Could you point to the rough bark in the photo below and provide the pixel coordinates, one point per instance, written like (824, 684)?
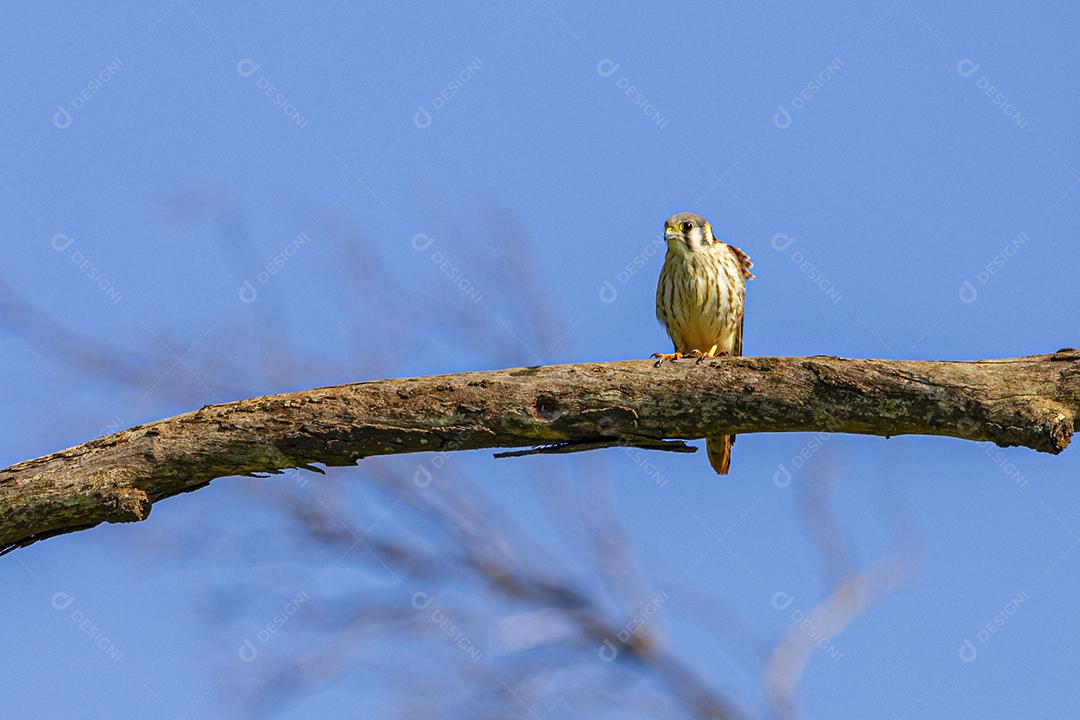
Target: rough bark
(1030, 401)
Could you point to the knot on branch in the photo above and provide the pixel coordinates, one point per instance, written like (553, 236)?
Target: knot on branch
(126, 504)
(1060, 431)
(611, 421)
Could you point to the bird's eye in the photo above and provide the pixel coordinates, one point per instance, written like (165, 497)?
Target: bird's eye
(687, 227)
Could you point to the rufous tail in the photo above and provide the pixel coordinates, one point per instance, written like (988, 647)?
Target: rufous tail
(719, 449)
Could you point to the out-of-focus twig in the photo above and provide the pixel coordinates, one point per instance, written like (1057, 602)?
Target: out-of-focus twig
(853, 591)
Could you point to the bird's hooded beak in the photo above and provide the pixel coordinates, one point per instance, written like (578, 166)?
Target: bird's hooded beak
(669, 233)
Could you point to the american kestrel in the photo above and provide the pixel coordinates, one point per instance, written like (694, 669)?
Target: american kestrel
(700, 300)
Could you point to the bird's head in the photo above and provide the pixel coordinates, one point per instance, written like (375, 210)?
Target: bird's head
(688, 233)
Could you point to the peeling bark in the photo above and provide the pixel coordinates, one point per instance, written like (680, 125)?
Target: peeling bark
(1030, 402)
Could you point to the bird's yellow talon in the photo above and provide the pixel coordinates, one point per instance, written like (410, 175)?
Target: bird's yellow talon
(662, 357)
(702, 357)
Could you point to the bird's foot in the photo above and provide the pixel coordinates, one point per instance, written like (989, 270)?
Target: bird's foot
(702, 357)
(661, 358)
(695, 354)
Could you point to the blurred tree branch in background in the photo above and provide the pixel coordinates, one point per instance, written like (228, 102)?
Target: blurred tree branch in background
(455, 608)
(1030, 402)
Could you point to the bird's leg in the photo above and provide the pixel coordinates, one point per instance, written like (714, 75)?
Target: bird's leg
(662, 357)
(709, 355)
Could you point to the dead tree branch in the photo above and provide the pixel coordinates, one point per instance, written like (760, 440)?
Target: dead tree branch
(1031, 402)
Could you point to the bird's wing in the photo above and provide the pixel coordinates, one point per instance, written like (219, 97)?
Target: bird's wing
(743, 260)
(744, 265)
(736, 349)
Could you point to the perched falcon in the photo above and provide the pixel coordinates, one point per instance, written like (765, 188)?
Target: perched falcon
(700, 300)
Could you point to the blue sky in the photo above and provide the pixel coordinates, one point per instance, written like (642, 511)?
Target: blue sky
(904, 175)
